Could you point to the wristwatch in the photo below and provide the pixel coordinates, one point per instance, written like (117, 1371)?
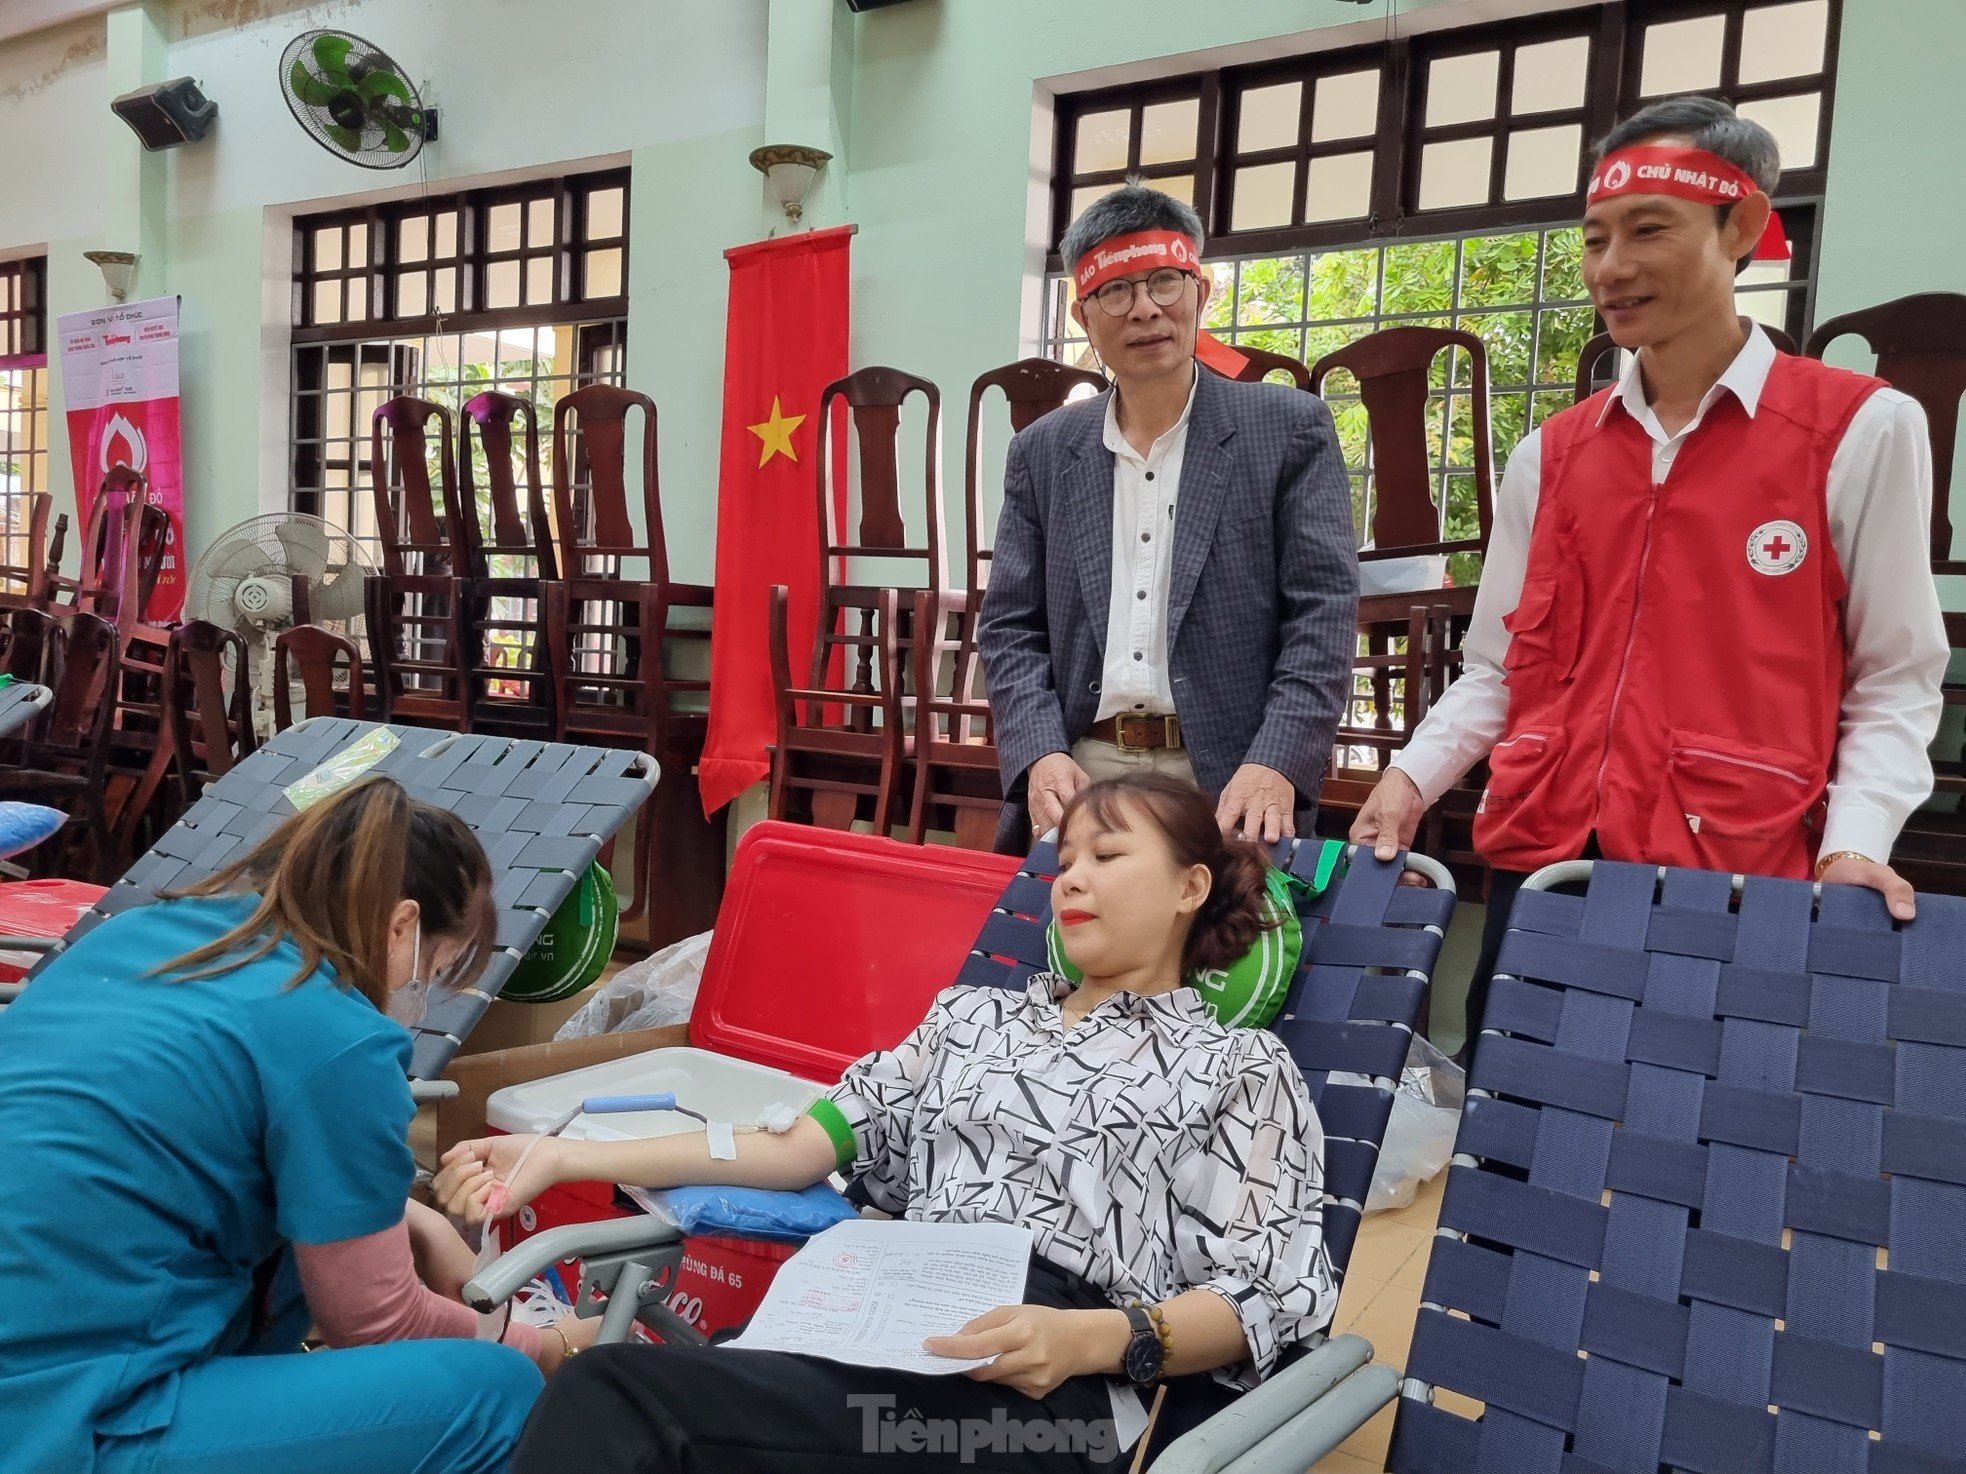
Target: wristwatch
(1144, 1353)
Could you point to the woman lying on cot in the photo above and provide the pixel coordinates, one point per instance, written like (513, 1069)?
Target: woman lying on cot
(198, 1085)
(1169, 1168)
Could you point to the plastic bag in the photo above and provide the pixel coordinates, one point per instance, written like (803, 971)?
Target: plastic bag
(1420, 1132)
(660, 989)
(749, 1212)
(23, 826)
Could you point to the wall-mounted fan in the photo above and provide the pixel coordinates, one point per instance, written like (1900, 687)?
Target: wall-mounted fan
(354, 100)
(271, 572)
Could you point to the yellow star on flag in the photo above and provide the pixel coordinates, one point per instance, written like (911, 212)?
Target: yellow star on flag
(776, 433)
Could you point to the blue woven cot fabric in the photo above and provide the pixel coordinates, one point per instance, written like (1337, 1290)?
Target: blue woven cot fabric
(1347, 1019)
(542, 810)
(1718, 1221)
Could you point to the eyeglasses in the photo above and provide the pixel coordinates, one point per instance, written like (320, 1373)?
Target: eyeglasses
(1164, 286)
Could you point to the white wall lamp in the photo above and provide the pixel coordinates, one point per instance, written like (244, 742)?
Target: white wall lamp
(791, 168)
(117, 268)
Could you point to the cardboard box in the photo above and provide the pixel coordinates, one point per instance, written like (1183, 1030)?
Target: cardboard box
(477, 1075)
(510, 1025)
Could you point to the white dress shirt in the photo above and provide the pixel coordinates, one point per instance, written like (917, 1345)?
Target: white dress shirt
(1136, 682)
(1879, 498)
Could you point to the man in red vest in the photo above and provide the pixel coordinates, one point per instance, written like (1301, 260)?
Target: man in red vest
(1707, 632)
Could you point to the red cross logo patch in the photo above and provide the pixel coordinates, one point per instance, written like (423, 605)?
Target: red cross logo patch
(1775, 548)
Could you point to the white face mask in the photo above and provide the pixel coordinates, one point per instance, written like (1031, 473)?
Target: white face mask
(409, 1003)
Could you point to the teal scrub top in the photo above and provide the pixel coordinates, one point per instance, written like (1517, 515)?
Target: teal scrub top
(161, 1140)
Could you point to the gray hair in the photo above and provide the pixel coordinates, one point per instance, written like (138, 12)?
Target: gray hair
(1131, 208)
(1713, 126)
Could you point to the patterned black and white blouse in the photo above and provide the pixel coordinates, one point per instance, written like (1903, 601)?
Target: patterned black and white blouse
(1149, 1148)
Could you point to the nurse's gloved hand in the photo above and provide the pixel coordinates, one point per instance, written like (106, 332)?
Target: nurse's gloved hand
(468, 1185)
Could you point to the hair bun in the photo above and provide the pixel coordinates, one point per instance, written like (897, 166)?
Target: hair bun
(1237, 909)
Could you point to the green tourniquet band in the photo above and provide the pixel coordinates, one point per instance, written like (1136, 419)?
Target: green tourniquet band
(845, 1148)
(1327, 862)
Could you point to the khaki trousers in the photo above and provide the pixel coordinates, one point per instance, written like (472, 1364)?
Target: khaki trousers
(1108, 760)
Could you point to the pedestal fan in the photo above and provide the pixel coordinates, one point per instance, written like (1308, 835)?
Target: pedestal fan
(271, 572)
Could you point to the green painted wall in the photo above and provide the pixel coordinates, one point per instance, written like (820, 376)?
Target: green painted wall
(945, 180)
(677, 296)
(1895, 218)
(937, 111)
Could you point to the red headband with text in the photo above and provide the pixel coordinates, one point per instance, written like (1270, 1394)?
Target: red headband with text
(1146, 250)
(1688, 173)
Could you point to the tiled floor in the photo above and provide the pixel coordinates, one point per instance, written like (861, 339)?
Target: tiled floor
(1380, 1301)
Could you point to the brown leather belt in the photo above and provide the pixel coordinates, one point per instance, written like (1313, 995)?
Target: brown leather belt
(1138, 734)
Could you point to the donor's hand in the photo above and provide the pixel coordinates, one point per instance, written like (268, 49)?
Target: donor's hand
(1037, 1347)
(467, 1186)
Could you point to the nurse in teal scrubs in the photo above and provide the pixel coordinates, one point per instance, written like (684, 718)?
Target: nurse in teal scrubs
(187, 1092)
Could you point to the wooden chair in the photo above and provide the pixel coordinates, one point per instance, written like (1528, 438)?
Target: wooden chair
(24, 585)
(196, 725)
(415, 606)
(957, 785)
(55, 585)
(1920, 343)
(1593, 375)
(612, 612)
(210, 708)
(127, 541)
(1393, 368)
(62, 757)
(508, 564)
(1397, 675)
(329, 669)
(1032, 388)
(26, 634)
(841, 751)
(955, 771)
(615, 643)
(841, 744)
(1261, 363)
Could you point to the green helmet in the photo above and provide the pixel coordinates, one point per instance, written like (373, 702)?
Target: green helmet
(1250, 992)
(574, 949)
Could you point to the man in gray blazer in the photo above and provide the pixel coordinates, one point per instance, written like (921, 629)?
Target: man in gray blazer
(1116, 635)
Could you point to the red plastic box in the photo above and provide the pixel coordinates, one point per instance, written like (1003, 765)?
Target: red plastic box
(828, 945)
(39, 908)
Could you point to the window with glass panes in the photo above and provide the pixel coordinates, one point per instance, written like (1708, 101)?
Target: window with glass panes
(1521, 293)
(1438, 180)
(552, 250)
(521, 289)
(1469, 130)
(23, 401)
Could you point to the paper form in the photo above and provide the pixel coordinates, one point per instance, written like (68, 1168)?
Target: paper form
(869, 1292)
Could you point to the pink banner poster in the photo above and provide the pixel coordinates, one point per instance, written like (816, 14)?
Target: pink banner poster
(119, 378)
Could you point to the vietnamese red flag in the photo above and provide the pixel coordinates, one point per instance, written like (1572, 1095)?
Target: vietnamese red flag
(785, 340)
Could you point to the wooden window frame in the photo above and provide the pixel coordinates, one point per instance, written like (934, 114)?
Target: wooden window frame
(24, 328)
(1615, 29)
(380, 276)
